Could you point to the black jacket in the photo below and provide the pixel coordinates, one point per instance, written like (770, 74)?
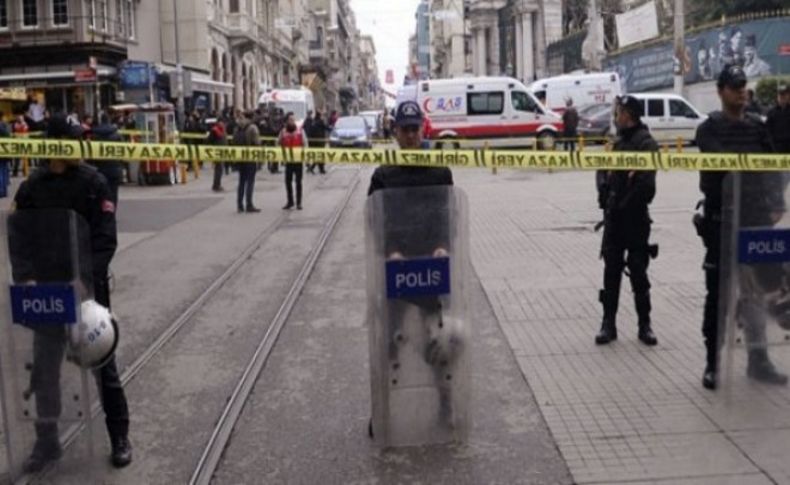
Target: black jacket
(762, 192)
(84, 190)
(416, 222)
(111, 169)
(626, 195)
(778, 124)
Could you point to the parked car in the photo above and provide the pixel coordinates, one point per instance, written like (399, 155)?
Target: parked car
(670, 117)
(373, 119)
(595, 121)
(351, 132)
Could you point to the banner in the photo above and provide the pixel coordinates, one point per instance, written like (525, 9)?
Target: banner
(637, 25)
(463, 158)
(755, 45)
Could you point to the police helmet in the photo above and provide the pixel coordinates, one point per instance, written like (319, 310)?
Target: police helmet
(93, 341)
(632, 105)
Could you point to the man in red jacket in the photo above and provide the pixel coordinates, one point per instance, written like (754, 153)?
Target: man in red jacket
(293, 137)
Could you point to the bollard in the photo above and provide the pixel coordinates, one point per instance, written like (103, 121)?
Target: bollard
(679, 142)
(665, 147)
(25, 167)
(183, 169)
(196, 168)
(493, 165)
(581, 142)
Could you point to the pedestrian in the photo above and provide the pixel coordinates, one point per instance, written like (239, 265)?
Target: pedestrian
(292, 137)
(218, 137)
(317, 136)
(70, 184)
(778, 120)
(624, 198)
(570, 119)
(269, 135)
(20, 129)
(111, 169)
(5, 175)
(752, 105)
(732, 130)
(333, 117)
(246, 135)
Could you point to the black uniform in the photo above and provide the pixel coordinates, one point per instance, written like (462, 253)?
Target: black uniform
(778, 123)
(624, 198)
(111, 169)
(761, 194)
(85, 191)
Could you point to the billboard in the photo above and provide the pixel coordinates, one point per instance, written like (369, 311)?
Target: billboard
(637, 25)
(756, 46)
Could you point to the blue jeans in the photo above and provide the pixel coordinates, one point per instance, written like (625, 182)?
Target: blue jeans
(4, 178)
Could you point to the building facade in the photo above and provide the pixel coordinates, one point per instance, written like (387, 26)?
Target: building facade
(509, 37)
(450, 39)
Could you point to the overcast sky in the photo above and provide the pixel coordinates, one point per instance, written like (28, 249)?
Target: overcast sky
(390, 23)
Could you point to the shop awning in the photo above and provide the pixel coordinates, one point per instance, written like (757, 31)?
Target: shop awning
(206, 85)
(51, 78)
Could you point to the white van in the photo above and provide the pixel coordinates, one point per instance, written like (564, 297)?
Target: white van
(299, 101)
(488, 111)
(583, 89)
(670, 117)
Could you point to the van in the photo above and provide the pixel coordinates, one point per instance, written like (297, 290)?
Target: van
(670, 117)
(497, 112)
(583, 89)
(299, 101)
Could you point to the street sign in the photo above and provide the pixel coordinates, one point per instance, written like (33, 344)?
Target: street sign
(418, 277)
(85, 75)
(43, 304)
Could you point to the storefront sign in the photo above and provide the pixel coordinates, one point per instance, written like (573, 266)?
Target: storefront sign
(85, 75)
(13, 94)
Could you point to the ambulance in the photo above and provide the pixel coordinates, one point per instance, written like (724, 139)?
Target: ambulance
(299, 101)
(494, 112)
(583, 89)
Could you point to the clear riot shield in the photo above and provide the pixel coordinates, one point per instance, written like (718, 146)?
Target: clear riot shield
(754, 309)
(45, 260)
(417, 266)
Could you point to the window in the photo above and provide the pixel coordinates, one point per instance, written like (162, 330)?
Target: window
(234, 6)
(101, 14)
(120, 23)
(523, 102)
(485, 103)
(29, 13)
(131, 26)
(655, 107)
(90, 13)
(3, 14)
(60, 12)
(681, 109)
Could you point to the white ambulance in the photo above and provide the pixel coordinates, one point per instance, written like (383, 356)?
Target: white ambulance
(487, 111)
(299, 101)
(583, 89)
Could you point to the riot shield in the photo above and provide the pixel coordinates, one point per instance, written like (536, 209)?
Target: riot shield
(45, 260)
(754, 311)
(418, 325)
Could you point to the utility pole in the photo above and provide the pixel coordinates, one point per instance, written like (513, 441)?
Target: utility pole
(179, 71)
(680, 45)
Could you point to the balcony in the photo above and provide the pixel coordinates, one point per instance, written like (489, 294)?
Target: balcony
(242, 25)
(217, 16)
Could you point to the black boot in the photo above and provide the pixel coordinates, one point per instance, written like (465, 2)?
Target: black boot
(710, 378)
(608, 332)
(643, 307)
(46, 449)
(121, 451)
(761, 368)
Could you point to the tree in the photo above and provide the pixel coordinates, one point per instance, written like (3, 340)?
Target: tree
(702, 11)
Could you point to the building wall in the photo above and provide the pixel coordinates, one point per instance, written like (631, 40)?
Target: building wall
(192, 33)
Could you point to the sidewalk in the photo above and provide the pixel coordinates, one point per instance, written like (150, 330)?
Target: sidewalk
(622, 413)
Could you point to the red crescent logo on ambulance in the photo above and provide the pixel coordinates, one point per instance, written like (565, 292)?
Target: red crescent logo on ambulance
(274, 95)
(425, 105)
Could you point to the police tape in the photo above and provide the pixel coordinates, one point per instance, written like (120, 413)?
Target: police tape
(11, 148)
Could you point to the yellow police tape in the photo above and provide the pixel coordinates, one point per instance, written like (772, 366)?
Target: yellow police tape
(514, 159)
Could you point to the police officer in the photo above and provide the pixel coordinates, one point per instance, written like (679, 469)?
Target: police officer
(779, 120)
(624, 197)
(732, 130)
(70, 184)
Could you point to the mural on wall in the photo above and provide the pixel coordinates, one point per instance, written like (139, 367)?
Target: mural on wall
(761, 47)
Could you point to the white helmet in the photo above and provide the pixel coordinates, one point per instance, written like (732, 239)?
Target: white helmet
(95, 338)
